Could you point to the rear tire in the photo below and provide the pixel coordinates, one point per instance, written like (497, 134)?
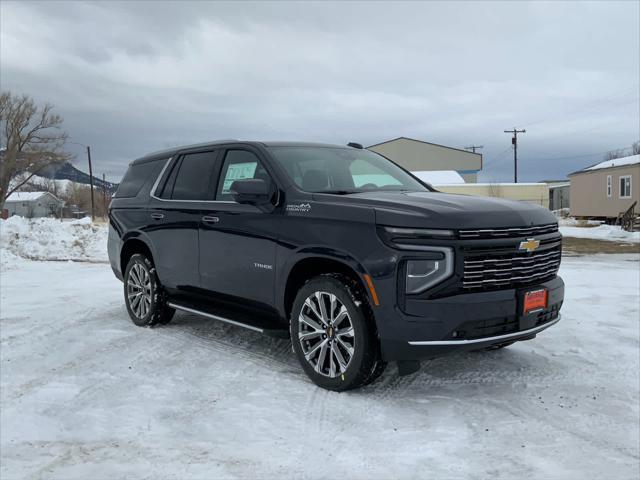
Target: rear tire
(143, 294)
(333, 334)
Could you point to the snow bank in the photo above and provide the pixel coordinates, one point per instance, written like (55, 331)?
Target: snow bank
(52, 239)
(602, 232)
(9, 260)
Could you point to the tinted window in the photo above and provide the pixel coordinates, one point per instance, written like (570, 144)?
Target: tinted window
(239, 165)
(136, 177)
(193, 181)
(165, 189)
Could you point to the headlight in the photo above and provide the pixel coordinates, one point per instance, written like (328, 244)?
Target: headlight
(425, 273)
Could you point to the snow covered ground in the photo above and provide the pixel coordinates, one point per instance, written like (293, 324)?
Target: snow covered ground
(570, 227)
(612, 233)
(86, 394)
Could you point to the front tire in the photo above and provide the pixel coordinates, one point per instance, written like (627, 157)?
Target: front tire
(143, 293)
(333, 334)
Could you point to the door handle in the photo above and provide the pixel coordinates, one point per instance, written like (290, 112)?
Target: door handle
(157, 216)
(209, 219)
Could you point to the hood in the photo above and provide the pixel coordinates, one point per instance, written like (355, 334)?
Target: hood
(453, 211)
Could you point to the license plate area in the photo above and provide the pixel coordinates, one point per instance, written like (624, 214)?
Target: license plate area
(535, 300)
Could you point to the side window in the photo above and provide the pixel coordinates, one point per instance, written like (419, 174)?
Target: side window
(239, 165)
(625, 186)
(608, 185)
(165, 190)
(194, 177)
(135, 178)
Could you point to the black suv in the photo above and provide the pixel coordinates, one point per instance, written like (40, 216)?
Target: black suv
(338, 248)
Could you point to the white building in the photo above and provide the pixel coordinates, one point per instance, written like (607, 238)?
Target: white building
(33, 204)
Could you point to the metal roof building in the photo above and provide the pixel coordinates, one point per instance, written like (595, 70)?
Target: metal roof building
(416, 156)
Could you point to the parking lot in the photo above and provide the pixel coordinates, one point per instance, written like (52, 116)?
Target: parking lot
(85, 392)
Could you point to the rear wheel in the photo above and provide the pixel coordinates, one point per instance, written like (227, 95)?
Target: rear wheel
(333, 334)
(143, 295)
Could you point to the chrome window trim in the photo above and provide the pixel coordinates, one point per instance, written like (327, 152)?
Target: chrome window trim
(507, 336)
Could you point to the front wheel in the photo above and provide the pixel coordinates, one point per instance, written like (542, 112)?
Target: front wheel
(333, 334)
(143, 294)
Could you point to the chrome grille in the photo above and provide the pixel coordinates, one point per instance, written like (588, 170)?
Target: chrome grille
(496, 270)
(508, 232)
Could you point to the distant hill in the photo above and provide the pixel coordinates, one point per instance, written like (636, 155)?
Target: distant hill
(67, 171)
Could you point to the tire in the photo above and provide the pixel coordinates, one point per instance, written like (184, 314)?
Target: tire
(143, 294)
(338, 351)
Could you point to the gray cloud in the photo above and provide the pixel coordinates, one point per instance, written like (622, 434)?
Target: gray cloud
(131, 77)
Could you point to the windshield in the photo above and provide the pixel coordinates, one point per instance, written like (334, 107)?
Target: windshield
(342, 170)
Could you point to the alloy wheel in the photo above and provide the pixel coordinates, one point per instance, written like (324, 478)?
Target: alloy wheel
(139, 290)
(326, 334)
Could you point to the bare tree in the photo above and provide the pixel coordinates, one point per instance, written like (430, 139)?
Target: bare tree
(621, 152)
(31, 139)
(613, 154)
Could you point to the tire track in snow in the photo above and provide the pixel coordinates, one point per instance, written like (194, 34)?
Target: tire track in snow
(254, 347)
(82, 360)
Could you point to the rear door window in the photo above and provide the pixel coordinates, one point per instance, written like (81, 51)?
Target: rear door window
(194, 178)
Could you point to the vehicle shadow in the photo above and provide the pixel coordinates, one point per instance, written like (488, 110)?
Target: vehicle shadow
(516, 364)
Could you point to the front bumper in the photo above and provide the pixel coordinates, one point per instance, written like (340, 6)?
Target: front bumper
(470, 321)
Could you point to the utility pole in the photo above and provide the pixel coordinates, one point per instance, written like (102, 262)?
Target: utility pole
(473, 147)
(514, 142)
(93, 210)
(104, 193)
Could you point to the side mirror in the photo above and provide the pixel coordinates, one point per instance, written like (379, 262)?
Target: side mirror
(252, 191)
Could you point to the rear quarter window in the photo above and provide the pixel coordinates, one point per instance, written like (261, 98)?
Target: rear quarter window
(136, 177)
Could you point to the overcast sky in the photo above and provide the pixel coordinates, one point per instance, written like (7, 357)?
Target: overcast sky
(130, 78)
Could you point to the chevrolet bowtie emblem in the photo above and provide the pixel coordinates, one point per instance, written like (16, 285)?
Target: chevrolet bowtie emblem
(530, 245)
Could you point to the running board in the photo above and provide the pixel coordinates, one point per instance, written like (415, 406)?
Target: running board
(248, 323)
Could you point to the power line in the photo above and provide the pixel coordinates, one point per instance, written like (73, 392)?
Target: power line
(473, 147)
(497, 158)
(584, 130)
(589, 105)
(582, 155)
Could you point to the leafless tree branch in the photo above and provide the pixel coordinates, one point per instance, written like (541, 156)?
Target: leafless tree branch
(31, 138)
